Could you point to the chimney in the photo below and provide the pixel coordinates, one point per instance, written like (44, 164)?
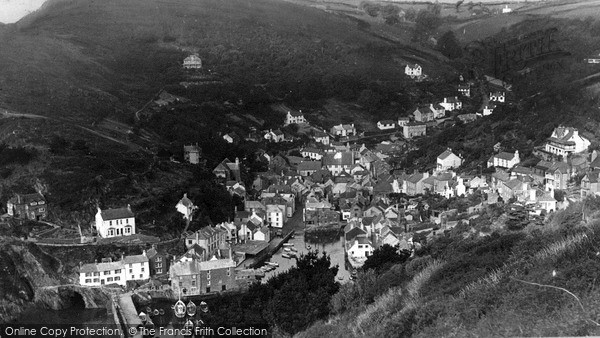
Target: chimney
(185, 195)
(129, 207)
(144, 253)
(237, 161)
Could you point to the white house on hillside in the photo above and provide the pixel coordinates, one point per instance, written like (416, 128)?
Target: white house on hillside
(343, 130)
(451, 103)
(448, 160)
(403, 120)
(192, 62)
(497, 97)
(294, 117)
(129, 268)
(186, 207)
(413, 70)
(386, 124)
(275, 216)
(504, 160)
(115, 222)
(565, 141)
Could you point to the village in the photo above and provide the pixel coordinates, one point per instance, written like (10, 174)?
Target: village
(337, 185)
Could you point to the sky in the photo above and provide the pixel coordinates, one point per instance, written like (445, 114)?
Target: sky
(13, 10)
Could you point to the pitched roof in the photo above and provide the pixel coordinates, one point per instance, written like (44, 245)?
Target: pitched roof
(345, 158)
(135, 259)
(27, 198)
(353, 233)
(110, 214)
(99, 267)
(185, 201)
(445, 154)
(505, 156)
(295, 113)
(309, 165)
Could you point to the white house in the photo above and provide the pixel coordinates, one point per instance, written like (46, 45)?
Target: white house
(186, 207)
(338, 162)
(565, 141)
(448, 160)
(506, 9)
(275, 136)
(497, 96)
(192, 62)
(343, 130)
(321, 137)
(504, 160)
(361, 248)
(96, 274)
(129, 268)
(115, 222)
(413, 70)
(403, 120)
(136, 267)
(294, 117)
(451, 103)
(275, 216)
(386, 124)
(192, 153)
(488, 109)
(547, 202)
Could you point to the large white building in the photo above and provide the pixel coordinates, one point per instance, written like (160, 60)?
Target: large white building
(129, 268)
(413, 70)
(115, 222)
(565, 141)
(192, 62)
(186, 207)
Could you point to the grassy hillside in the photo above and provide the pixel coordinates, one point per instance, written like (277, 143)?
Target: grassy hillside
(95, 58)
(536, 282)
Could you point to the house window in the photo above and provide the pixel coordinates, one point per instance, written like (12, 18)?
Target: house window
(109, 279)
(159, 265)
(189, 241)
(96, 280)
(130, 270)
(228, 272)
(223, 287)
(109, 222)
(159, 259)
(117, 271)
(158, 270)
(88, 280)
(42, 209)
(117, 278)
(128, 230)
(207, 289)
(193, 283)
(106, 273)
(142, 269)
(130, 265)
(132, 277)
(96, 273)
(208, 275)
(88, 274)
(127, 221)
(141, 276)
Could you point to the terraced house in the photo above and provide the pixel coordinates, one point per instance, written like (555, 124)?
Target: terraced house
(30, 206)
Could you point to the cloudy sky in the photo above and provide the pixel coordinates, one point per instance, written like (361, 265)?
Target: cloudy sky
(12, 10)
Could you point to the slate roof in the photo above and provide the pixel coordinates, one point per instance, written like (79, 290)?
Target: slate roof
(99, 267)
(295, 113)
(27, 198)
(119, 213)
(135, 259)
(445, 154)
(505, 156)
(340, 158)
(309, 165)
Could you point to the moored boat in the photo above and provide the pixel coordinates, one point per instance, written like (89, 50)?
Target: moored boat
(284, 255)
(288, 244)
(272, 264)
(287, 249)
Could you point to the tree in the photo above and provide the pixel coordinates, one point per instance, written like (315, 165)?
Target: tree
(411, 14)
(458, 3)
(369, 99)
(384, 257)
(391, 14)
(427, 21)
(449, 46)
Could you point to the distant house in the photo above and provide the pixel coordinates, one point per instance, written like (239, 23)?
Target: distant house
(312, 153)
(464, 89)
(228, 170)
(497, 83)
(506, 9)
(192, 62)
(594, 59)
(209, 238)
(504, 160)
(186, 207)
(386, 124)
(275, 215)
(424, 113)
(497, 96)
(547, 202)
(343, 130)
(195, 278)
(231, 138)
(413, 70)
(403, 120)
(294, 117)
(448, 160)
(413, 129)
(115, 222)
(30, 206)
(467, 118)
(192, 153)
(590, 184)
(307, 168)
(565, 141)
(338, 162)
(275, 136)
(451, 103)
(488, 109)
(230, 231)
(321, 137)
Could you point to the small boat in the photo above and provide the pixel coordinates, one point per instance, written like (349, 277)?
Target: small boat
(294, 249)
(161, 312)
(191, 309)
(340, 277)
(156, 312)
(284, 255)
(148, 310)
(288, 244)
(308, 247)
(203, 307)
(272, 264)
(180, 309)
(287, 249)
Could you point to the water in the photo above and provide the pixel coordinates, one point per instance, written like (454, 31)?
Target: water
(332, 245)
(71, 316)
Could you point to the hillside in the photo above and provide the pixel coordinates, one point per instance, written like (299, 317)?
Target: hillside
(92, 59)
(536, 282)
